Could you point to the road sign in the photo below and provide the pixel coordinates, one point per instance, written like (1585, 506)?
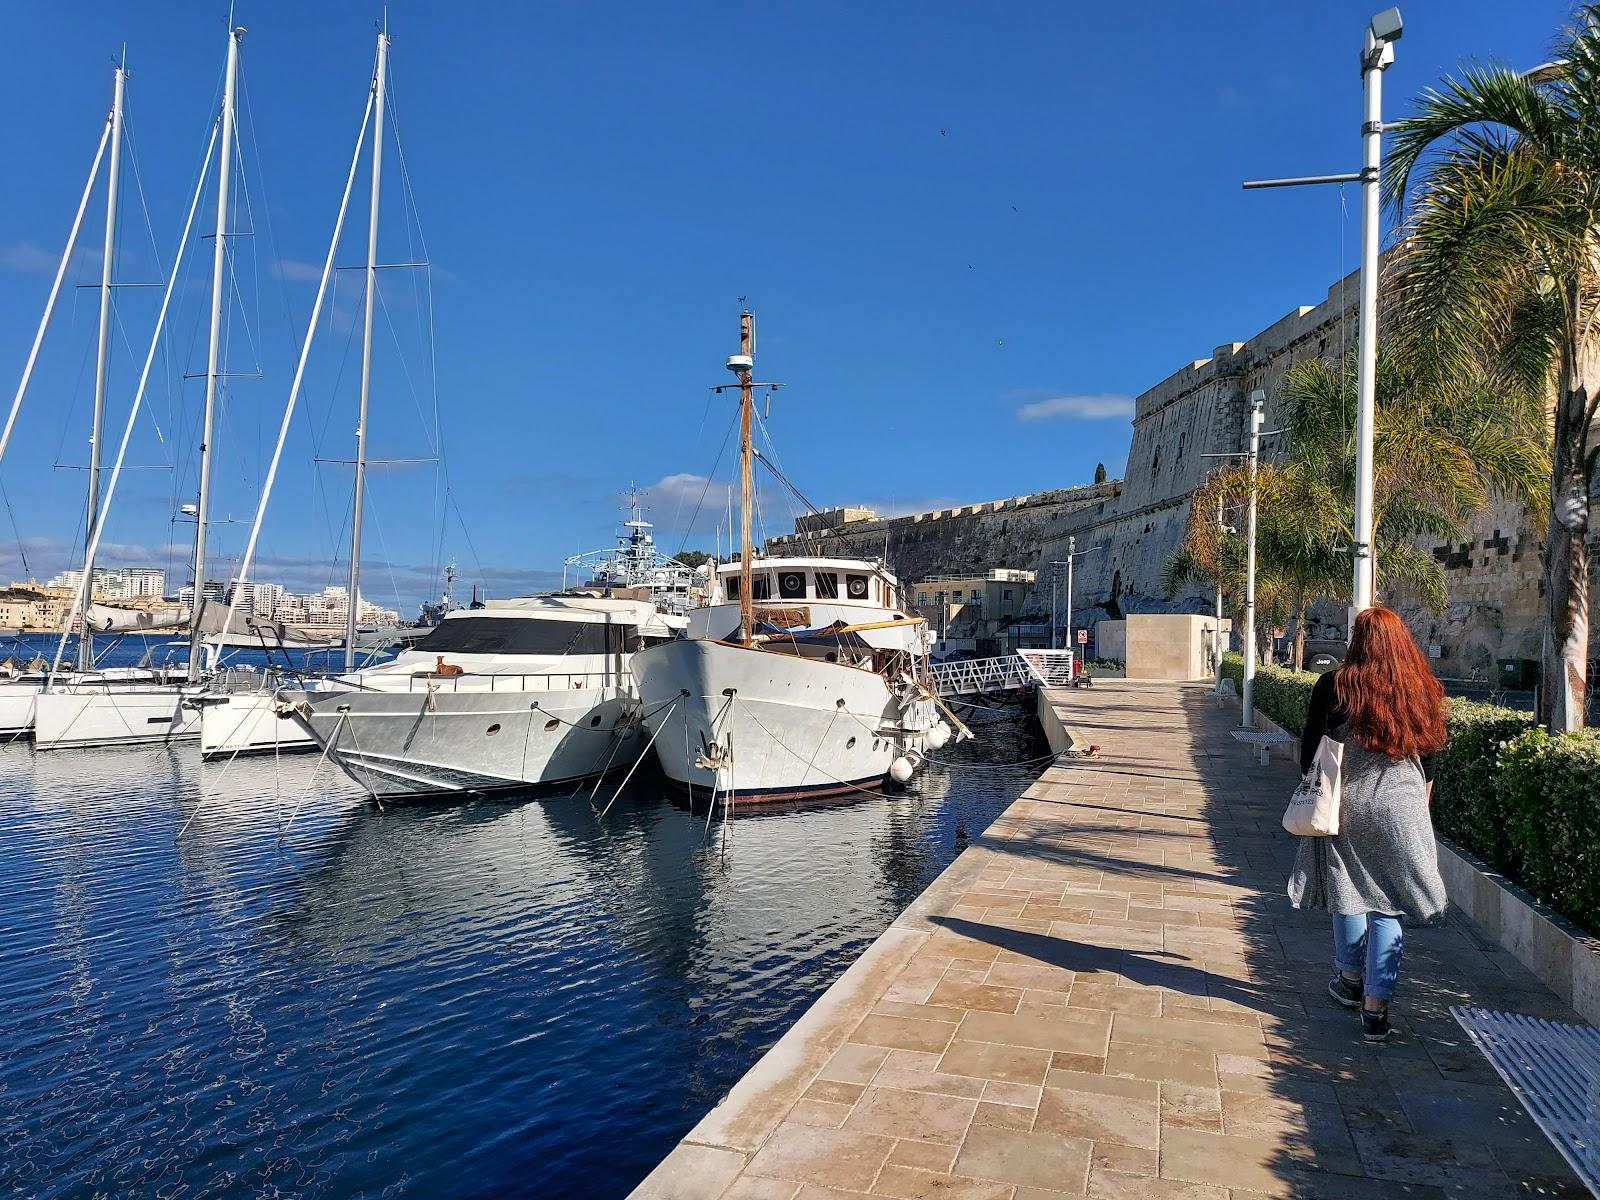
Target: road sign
(1083, 637)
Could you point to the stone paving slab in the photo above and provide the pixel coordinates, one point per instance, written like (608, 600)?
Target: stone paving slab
(1109, 996)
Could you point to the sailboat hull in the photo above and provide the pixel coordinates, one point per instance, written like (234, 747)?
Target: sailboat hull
(110, 716)
(249, 723)
(18, 701)
(768, 727)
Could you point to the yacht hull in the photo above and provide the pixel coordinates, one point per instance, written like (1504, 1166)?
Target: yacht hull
(110, 716)
(768, 727)
(411, 743)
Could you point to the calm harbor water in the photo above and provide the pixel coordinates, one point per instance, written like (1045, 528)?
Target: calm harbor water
(307, 995)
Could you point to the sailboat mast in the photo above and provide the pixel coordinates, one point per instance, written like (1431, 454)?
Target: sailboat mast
(101, 368)
(214, 349)
(379, 77)
(747, 349)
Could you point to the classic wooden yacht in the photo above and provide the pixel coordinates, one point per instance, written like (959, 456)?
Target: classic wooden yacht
(520, 692)
(807, 680)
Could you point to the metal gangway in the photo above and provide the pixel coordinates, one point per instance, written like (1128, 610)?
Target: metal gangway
(1025, 669)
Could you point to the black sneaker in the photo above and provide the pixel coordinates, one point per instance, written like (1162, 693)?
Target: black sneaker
(1344, 991)
(1375, 1025)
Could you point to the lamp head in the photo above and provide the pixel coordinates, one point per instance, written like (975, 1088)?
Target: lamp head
(1386, 26)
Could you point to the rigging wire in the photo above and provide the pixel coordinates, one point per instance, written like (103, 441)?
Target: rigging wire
(703, 491)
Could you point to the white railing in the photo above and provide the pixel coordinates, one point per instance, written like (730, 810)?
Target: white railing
(1050, 668)
(967, 677)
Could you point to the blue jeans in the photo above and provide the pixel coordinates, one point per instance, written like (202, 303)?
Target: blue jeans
(1369, 945)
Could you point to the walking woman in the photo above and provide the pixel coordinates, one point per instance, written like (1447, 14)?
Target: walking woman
(1387, 708)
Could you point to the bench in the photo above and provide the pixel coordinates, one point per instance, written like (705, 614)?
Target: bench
(1263, 740)
(1554, 1069)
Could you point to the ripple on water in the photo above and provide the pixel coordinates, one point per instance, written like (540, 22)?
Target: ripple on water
(308, 995)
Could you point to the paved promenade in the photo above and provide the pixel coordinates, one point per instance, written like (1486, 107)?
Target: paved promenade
(1110, 995)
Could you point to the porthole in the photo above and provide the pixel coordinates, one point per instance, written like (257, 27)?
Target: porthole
(850, 745)
(551, 723)
(594, 721)
(493, 729)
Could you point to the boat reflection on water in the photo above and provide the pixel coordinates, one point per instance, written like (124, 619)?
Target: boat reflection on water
(441, 997)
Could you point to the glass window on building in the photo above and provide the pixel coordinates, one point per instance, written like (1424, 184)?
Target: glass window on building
(977, 593)
(1006, 595)
(922, 597)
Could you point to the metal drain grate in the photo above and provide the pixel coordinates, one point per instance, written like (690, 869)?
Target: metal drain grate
(1554, 1069)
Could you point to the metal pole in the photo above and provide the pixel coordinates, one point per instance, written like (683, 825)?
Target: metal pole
(1216, 630)
(1375, 58)
(1258, 401)
(214, 351)
(55, 289)
(1072, 553)
(1055, 621)
(379, 75)
(102, 364)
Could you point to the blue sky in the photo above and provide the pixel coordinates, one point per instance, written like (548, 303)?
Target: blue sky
(970, 233)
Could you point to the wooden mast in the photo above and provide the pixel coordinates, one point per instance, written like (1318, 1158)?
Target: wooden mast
(747, 345)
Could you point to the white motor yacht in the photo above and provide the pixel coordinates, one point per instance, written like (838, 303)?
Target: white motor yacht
(520, 692)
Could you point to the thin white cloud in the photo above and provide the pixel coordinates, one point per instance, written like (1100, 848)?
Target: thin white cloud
(1089, 408)
(297, 271)
(26, 258)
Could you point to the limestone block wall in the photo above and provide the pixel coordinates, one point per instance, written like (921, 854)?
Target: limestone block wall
(1168, 646)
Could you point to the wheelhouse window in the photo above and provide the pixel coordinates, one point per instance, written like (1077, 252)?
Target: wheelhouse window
(733, 587)
(519, 635)
(827, 585)
(792, 585)
(760, 587)
(856, 586)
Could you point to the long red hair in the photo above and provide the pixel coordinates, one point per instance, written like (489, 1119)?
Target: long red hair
(1394, 703)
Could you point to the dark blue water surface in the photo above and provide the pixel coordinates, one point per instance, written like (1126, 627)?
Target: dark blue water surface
(309, 995)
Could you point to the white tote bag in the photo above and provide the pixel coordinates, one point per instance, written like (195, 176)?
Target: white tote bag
(1314, 808)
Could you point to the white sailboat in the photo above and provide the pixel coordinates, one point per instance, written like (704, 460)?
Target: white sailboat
(238, 718)
(520, 692)
(90, 711)
(810, 684)
(20, 685)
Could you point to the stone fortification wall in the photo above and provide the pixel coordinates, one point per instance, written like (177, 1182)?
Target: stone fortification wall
(1492, 572)
(970, 539)
(1197, 411)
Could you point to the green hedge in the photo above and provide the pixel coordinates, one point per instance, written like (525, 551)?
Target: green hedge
(1283, 695)
(1525, 802)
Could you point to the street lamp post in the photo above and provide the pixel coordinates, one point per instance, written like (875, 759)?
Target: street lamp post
(1377, 54)
(1216, 628)
(1258, 401)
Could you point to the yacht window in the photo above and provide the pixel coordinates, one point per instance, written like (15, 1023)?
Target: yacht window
(761, 587)
(733, 587)
(857, 586)
(827, 585)
(792, 585)
(519, 635)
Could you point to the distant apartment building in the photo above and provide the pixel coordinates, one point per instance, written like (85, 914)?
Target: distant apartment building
(115, 583)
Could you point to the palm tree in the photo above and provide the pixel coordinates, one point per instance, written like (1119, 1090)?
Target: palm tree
(1439, 455)
(1497, 281)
